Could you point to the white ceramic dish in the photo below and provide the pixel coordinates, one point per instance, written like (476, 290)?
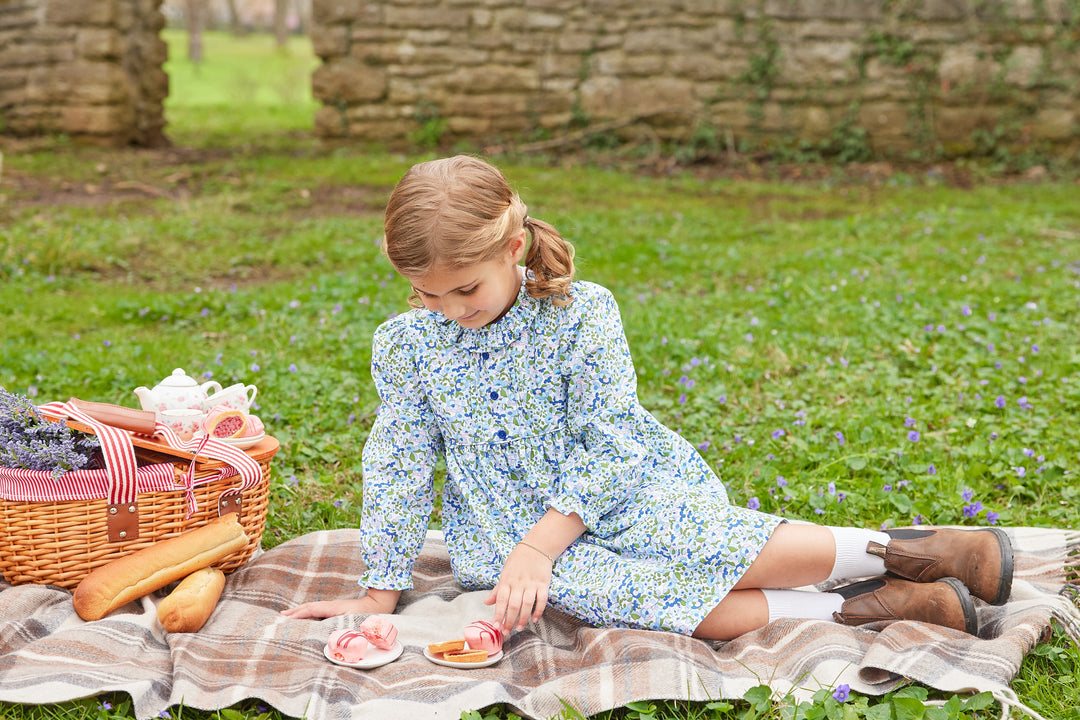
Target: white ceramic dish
(492, 659)
(242, 442)
(373, 659)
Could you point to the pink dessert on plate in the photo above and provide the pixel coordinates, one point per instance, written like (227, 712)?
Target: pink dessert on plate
(482, 635)
(379, 631)
(347, 646)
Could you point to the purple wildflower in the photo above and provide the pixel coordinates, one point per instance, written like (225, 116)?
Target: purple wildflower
(999, 402)
(840, 437)
(973, 509)
(780, 481)
(778, 433)
(703, 446)
(1029, 452)
(843, 691)
(913, 436)
(992, 517)
(931, 470)
(292, 367)
(753, 503)
(909, 422)
(967, 494)
(1020, 470)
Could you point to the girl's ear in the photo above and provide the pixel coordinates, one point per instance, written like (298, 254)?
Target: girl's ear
(516, 247)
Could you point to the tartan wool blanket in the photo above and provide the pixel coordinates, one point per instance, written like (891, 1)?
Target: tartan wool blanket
(249, 650)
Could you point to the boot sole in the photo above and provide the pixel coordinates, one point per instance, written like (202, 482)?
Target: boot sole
(1005, 584)
(971, 619)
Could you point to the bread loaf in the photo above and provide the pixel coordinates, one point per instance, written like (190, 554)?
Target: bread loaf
(142, 572)
(189, 606)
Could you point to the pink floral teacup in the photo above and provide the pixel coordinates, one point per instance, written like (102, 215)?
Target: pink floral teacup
(184, 422)
(237, 397)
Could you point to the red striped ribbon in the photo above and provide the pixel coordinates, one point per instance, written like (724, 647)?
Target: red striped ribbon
(122, 480)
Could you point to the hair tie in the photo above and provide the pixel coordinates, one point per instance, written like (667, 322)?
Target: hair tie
(526, 221)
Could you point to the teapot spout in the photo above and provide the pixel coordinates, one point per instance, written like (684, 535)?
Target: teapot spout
(146, 397)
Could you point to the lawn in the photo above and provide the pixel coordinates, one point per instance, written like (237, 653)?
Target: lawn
(853, 348)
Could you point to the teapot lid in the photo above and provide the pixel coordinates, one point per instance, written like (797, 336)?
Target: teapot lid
(179, 378)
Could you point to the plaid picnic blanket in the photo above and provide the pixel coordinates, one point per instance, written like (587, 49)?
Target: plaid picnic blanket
(249, 650)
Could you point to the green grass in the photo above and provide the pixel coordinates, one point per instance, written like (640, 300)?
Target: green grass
(767, 320)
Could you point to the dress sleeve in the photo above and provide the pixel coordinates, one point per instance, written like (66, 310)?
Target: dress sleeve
(604, 456)
(399, 464)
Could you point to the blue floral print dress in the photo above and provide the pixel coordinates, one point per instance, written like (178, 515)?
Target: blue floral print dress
(540, 410)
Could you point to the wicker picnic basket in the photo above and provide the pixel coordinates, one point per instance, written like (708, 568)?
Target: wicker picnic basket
(54, 532)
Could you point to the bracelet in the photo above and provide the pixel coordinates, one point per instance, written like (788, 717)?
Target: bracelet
(530, 545)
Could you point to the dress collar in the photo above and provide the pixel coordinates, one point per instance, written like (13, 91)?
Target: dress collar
(497, 335)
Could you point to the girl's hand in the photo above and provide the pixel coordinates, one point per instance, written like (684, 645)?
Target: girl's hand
(380, 602)
(522, 591)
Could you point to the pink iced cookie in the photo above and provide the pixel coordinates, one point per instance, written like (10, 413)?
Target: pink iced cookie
(482, 635)
(379, 631)
(347, 646)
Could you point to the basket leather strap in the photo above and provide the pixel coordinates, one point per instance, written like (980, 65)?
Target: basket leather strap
(120, 464)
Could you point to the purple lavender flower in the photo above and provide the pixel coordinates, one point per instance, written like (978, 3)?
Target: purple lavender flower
(30, 442)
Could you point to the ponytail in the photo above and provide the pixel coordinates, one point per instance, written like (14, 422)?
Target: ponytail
(550, 260)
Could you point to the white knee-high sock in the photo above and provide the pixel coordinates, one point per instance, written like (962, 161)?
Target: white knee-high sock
(852, 560)
(807, 604)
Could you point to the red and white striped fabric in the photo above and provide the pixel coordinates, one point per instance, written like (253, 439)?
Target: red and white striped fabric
(122, 480)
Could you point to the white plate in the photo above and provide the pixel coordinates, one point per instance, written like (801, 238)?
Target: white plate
(373, 659)
(492, 659)
(242, 442)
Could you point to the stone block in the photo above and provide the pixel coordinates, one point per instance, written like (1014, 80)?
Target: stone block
(943, 10)
(957, 125)
(330, 41)
(965, 65)
(884, 119)
(490, 105)
(81, 12)
(330, 122)
(439, 17)
(812, 62)
(607, 97)
(92, 83)
(348, 80)
(483, 79)
(1055, 124)
(1023, 66)
(94, 43)
(332, 12)
(111, 120)
(823, 9)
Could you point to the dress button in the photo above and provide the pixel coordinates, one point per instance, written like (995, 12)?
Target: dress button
(485, 355)
(501, 434)
(494, 395)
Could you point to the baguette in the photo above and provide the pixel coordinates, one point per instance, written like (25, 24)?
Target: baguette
(142, 572)
(189, 606)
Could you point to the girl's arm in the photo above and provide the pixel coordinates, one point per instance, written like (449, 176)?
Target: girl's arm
(382, 602)
(522, 591)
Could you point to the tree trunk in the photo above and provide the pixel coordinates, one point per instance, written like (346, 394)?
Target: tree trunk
(195, 21)
(281, 30)
(234, 18)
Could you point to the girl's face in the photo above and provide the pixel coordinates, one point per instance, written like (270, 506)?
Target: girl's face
(477, 295)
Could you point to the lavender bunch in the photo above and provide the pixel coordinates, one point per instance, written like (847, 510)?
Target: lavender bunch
(30, 442)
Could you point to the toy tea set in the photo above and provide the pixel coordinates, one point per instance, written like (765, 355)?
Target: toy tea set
(191, 409)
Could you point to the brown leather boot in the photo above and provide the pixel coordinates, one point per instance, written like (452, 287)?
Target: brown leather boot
(945, 602)
(981, 559)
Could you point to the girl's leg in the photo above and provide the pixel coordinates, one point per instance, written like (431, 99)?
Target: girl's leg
(798, 555)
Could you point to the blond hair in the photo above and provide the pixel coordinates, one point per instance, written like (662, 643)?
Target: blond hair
(460, 211)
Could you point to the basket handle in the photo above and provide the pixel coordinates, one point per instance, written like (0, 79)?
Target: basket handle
(249, 471)
(120, 465)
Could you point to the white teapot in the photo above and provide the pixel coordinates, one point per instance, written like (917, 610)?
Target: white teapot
(176, 392)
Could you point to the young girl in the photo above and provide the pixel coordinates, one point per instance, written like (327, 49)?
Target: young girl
(561, 488)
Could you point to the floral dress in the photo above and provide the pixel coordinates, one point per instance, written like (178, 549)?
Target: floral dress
(539, 410)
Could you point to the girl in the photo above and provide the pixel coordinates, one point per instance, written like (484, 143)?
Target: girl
(561, 488)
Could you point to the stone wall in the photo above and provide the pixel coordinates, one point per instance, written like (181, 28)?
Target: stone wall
(89, 68)
(944, 76)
